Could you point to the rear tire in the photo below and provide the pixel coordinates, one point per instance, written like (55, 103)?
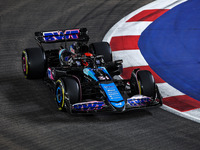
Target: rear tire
(33, 63)
(102, 48)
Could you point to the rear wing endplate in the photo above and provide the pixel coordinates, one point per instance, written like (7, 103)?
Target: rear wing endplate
(62, 36)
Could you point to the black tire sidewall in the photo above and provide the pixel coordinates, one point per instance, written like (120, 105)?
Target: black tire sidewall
(102, 48)
(134, 84)
(35, 62)
(147, 83)
(71, 89)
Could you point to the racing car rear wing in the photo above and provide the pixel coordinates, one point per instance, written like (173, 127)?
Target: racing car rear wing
(62, 36)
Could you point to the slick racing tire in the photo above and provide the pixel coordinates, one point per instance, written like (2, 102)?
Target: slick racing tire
(33, 63)
(68, 92)
(146, 83)
(142, 82)
(102, 48)
(134, 84)
(159, 96)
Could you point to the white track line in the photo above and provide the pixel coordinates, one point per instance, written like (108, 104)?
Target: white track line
(135, 28)
(130, 58)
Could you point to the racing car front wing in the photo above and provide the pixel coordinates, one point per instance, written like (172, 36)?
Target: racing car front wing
(137, 101)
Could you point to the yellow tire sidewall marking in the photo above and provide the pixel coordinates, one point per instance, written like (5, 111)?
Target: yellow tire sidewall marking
(139, 86)
(63, 94)
(26, 61)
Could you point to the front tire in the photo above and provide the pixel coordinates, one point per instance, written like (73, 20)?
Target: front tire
(134, 84)
(146, 83)
(68, 92)
(142, 82)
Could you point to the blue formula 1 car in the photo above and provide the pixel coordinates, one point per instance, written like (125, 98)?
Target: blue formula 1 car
(83, 78)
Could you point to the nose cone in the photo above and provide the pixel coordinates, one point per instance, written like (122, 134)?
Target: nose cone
(118, 104)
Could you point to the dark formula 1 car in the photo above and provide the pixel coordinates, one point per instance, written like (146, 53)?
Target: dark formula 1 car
(82, 79)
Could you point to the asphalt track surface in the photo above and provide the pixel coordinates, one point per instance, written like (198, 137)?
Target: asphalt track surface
(29, 118)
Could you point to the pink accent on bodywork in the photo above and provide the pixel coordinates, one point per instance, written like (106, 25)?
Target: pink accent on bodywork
(50, 74)
(95, 107)
(24, 63)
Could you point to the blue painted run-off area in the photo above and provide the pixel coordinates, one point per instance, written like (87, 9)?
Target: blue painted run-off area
(171, 46)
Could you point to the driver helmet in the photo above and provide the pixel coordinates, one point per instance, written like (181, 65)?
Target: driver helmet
(65, 56)
(74, 48)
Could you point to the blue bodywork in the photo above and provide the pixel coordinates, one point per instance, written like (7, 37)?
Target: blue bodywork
(90, 72)
(114, 97)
